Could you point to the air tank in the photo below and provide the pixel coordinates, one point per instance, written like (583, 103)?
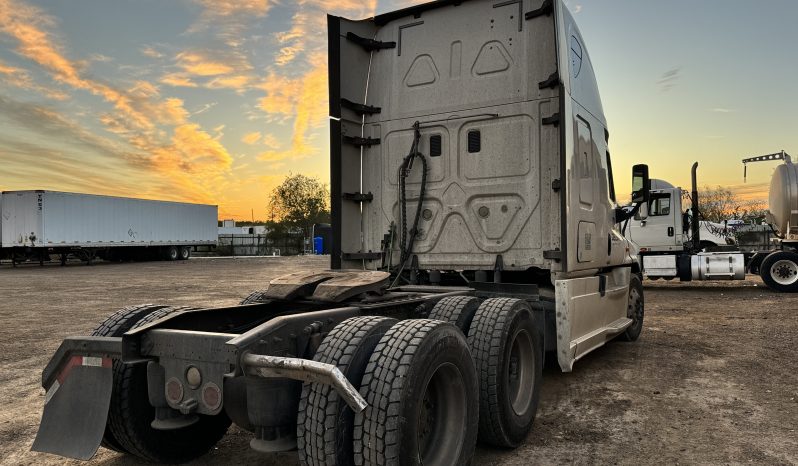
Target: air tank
(783, 199)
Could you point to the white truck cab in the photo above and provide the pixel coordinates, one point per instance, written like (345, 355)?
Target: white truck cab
(664, 225)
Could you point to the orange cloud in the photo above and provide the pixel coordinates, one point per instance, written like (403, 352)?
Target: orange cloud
(151, 52)
(196, 64)
(21, 78)
(238, 82)
(177, 80)
(189, 159)
(221, 8)
(143, 89)
(281, 94)
(269, 140)
(251, 138)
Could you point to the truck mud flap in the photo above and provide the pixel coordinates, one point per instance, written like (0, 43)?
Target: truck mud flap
(76, 410)
(79, 381)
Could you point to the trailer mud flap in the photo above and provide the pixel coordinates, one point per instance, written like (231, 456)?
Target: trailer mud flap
(76, 409)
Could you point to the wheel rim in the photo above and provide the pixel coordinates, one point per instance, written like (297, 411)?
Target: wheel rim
(635, 308)
(784, 272)
(521, 373)
(184, 253)
(173, 253)
(442, 417)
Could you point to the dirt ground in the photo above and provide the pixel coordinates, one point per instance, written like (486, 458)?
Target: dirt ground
(711, 380)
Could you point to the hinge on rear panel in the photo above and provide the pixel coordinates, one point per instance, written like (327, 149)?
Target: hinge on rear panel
(369, 44)
(545, 9)
(553, 254)
(550, 82)
(358, 197)
(360, 142)
(360, 109)
(555, 185)
(356, 256)
(552, 120)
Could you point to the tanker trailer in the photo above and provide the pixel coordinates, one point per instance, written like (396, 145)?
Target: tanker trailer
(779, 267)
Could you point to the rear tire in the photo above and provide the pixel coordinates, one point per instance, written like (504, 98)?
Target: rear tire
(171, 253)
(325, 422)
(635, 310)
(421, 389)
(131, 414)
(457, 310)
(779, 271)
(185, 253)
(508, 354)
(116, 325)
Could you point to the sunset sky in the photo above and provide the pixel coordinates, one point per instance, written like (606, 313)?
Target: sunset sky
(217, 100)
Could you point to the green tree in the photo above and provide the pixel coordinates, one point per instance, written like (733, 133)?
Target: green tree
(299, 202)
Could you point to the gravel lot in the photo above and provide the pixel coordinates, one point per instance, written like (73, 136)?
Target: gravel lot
(712, 379)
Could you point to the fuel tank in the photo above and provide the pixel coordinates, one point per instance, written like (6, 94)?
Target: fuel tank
(717, 266)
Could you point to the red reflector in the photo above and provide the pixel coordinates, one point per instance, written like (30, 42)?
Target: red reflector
(73, 361)
(211, 396)
(174, 390)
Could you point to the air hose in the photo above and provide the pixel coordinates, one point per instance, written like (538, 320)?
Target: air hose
(408, 238)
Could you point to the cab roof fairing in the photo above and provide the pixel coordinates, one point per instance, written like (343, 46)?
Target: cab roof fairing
(580, 82)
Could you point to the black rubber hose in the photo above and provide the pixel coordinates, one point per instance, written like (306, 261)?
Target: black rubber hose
(406, 244)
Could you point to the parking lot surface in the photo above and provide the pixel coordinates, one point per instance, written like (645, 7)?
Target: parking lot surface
(712, 379)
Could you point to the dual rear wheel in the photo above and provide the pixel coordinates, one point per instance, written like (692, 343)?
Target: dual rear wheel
(433, 386)
(128, 429)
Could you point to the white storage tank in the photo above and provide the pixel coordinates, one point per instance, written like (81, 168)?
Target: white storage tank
(783, 200)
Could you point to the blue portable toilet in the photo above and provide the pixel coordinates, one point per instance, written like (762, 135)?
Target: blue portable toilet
(318, 245)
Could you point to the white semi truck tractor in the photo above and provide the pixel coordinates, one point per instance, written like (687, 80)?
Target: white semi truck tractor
(474, 227)
(673, 243)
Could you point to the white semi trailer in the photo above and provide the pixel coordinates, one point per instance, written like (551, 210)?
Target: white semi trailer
(474, 229)
(673, 244)
(35, 225)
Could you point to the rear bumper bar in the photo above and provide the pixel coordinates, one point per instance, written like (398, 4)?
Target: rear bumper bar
(305, 370)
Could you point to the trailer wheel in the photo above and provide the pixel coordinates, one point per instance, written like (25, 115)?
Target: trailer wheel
(458, 310)
(422, 393)
(325, 422)
(185, 253)
(116, 325)
(171, 253)
(508, 353)
(255, 297)
(779, 271)
(635, 309)
(131, 414)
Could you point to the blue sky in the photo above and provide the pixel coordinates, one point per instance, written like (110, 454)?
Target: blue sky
(216, 101)
(710, 81)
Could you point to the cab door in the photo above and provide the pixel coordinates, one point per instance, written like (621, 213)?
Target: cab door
(657, 230)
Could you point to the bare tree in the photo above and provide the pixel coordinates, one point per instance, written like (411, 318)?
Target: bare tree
(719, 204)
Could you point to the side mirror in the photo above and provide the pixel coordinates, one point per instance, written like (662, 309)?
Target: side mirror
(641, 184)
